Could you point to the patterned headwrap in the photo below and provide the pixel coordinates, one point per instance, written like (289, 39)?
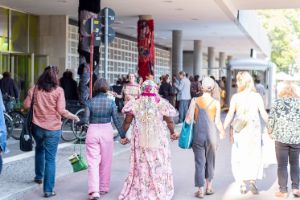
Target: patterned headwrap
(149, 88)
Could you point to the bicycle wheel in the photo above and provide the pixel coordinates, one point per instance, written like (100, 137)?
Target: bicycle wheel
(9, 124)
(18, 121)
(79, 131)
(67, 134)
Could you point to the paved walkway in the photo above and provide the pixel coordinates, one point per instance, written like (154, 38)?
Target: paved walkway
(74, 186)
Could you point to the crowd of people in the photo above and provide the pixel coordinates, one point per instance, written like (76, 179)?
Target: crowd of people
(149, 109)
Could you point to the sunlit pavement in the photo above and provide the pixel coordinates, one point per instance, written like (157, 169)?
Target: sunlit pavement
(74, 186)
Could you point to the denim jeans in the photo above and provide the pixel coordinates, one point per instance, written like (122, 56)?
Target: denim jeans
(287, 153)
(45, 154)
(183, 108)
(1, 162)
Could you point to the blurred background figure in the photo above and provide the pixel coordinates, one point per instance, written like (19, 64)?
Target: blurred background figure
(9, 91)
(117, 89)
(260, 88)
(69, 85)
(183, 86)
(165, 89)
(196, 90)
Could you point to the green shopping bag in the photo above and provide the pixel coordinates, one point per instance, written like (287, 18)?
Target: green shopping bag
(77, 161)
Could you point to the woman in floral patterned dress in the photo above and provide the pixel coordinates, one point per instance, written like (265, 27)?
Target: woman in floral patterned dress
(150, 176)
(131, 90)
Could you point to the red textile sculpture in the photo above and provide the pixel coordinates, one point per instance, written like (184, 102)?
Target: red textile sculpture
(145, 47)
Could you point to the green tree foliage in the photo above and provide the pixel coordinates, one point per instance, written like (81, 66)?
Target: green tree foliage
(283, 28)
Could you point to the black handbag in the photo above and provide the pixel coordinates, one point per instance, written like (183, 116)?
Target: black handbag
(26, 140)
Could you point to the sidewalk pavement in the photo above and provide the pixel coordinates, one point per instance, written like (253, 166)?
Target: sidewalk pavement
(74, 186)
(17, 176)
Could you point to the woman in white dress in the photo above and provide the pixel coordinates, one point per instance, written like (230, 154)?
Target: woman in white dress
(246, 156)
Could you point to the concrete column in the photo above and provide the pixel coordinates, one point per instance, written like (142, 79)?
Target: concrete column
(198, 57)
(177, 52)
(222, 63)
(210, 59)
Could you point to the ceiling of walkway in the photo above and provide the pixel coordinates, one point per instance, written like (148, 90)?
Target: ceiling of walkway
(266, 4)
(204, 20)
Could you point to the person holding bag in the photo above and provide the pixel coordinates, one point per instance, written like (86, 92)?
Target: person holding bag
(207, 124)
(99, 140)
(48, 108)
(246, 157)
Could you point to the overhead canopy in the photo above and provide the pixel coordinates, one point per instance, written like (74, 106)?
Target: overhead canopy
(250, 64)
(213, 22)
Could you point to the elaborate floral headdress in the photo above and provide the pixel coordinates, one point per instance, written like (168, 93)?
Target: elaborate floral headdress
(149, 88)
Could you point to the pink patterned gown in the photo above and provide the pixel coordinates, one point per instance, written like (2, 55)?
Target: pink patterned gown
(150, 176)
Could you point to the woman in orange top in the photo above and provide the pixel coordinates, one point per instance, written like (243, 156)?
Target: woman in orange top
(207, 122)
(48, 107)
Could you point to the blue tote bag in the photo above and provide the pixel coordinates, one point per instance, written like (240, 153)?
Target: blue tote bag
(186, 135)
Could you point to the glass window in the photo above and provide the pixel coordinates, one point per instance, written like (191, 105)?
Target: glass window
(3, 29)
(33, 33)
(19, 36)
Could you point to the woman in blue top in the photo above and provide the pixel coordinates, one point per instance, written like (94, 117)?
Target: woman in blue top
(2, 130)
(101, 109)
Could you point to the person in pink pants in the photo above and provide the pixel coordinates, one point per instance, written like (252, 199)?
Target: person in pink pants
(99, 141)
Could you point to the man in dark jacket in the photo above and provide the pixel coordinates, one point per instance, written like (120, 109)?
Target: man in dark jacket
(69, 85)
(8, 86)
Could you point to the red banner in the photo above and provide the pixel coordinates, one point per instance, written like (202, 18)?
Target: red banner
(146, 48)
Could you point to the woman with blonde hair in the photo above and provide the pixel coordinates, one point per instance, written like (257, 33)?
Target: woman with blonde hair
(246, 157)
(284, 128)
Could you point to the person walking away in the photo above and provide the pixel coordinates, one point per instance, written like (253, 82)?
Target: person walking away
(48, 108)
(183, 95)
(260, 88)
(284, 128)
(246, 156)
(150, 176)
(70, 86)
(207, 124)
(99, 141)
(196, 90)
(3, 133)
(9, 90)
(165, 89)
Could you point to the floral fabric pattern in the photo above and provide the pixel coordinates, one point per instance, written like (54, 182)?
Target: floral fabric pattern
(150, 176)
(284, 120)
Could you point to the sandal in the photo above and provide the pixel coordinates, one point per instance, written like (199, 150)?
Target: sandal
(253, 188)
(243, 189)
(209, 191)
(199, 194)
(296, 193)
(282, 194)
